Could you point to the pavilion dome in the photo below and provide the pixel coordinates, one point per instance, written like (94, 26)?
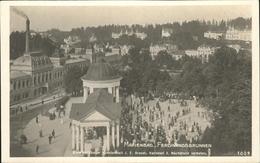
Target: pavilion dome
(100, 71)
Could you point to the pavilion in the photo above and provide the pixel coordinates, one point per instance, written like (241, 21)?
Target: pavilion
(100, 108)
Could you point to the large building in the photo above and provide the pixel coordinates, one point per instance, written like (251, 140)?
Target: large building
(35, 74)
(167, 32)
(131, 32)
(203, 52)
(169, 48)
(213, 35)
(97, 118)
(234, 34)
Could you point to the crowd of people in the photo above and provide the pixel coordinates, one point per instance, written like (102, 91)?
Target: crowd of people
(167, 119)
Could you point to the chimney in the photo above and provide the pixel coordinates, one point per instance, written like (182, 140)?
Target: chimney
(27, 37)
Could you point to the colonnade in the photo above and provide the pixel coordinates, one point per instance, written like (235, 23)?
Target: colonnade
(79, 131)
(112, 90)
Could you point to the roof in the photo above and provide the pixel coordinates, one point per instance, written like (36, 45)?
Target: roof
(18, 74)
(32, 60)
(74, 60)
(100, 71)
(100, 101)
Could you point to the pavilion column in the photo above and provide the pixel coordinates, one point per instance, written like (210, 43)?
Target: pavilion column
(117, 94)
(81, 138)
(91, 89)
(113, 135)
(117, 134)
(108, 133)
(85, 94)
(110, 90)
(73, 137)
(77, 138)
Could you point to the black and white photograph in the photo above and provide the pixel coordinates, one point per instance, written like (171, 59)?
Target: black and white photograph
(175, 80)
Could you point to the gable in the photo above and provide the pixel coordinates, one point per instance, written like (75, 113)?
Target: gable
(95, 115)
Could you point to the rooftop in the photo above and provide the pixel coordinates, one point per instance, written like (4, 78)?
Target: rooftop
(100, 101)
(100, 71)
(18, 74)
(74, 60)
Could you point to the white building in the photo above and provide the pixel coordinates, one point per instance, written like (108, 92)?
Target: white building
(125, 49)
(213, 35)
(192, 53)
(235, 46)
(178, 54)
(203, 52)
(116, 35)
(71, 40)
(155, 49)
(233, 34)
(99, 112)
(166, 32)
(141, 35)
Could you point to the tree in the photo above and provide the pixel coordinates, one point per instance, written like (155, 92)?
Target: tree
(73, 83)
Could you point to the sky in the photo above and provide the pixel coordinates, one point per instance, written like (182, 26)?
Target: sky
(67, 17)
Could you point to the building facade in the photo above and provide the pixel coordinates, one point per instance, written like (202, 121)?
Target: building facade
(36, 74)
(167, 32)
(234, 34)
(213, 35)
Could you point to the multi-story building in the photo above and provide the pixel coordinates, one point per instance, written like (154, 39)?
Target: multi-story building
(169, 48)
(234, 34)
(166, 32)
(203, 52)
(192, 53)
(155, 49)
(213, 35)
(35, 74)
(138, 34)
(125, 49)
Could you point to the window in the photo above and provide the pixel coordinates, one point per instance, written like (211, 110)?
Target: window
(27, 83)
(18, 97)
(46, 77)
(42, 77)
(19, 84)
(23, 84)
(14, 85)
(39, 79)
(50, 76)
(34, 80)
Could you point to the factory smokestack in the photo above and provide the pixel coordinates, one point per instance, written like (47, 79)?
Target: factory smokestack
(27, 37)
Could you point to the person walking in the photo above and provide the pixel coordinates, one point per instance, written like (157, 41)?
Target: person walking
(37, 119)
(53, 133)
(50, 137)
(40, 133)
(37, 149)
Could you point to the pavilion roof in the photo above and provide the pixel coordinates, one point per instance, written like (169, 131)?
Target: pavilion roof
(101, 101)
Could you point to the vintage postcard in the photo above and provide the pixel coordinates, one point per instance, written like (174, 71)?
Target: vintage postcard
(130, 81)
